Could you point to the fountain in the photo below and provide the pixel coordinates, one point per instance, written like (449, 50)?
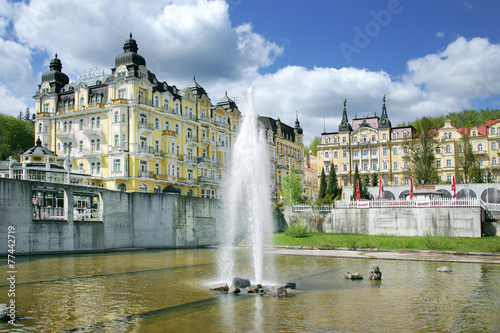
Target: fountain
(247, 199)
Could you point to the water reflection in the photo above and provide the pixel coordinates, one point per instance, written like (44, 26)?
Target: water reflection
(161, 291)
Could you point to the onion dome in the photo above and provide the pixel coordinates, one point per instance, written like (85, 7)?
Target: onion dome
(129, 55)
(297, 124)
(55, 74)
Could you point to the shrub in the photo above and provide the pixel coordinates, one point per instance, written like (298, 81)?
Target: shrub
(435, 241)
(297, 230)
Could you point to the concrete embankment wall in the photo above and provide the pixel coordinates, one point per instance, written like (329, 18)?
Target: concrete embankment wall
(456, 222)
(128, 220)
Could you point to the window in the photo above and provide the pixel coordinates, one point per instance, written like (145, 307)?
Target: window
(405, 135)
(384, 151)
(492, 131)
(80, 146)
(116, 165)
(480, 148)
(493, 161)
(448, 163)
(344, 153)
(335, 155)
(117, 116)
(395, 164)
(117, 140)
(177, 128)
(450, 135)
(384, 136)
(40, 127)
(344, 167)
(445, 136)
(327, 141)
(374, 137)
(124, 140)
(396, 181)
(122, 93)
(385, 166)
(438, 150)
(165, 105)
(80, 124)
(493, 145)
(395, 151)
(405, 150)
(157, 123)
(386, 181)
(335, 140)
(157, 168)
(365, 152)
(355, 139)
(474, 133)
(326, 156)
(141, 97)
(394, 135)
(448, 149)
(344, 139)
(481, 162)
(355, 153)
(157, 101)
(365, 166)
(438, 164)
(45, 107)
(123, 118)
(98, 122)
(374, 152)
(82, 101)
(374, 166)
(405, 165)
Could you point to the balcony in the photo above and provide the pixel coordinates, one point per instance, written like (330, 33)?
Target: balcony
(208, 180)
(190, 159)
(92, 154)
(119, 101)
(172, 156)
(64, 134)
(191, 140)
(169, 134)
(205, 119)
(92, 130)
(222, 124)
(189, 117)
(206, 140)
(204, 160)
(146, 150)
(146, 127)
(281, 166)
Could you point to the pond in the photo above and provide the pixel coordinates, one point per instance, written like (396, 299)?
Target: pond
(167, 291)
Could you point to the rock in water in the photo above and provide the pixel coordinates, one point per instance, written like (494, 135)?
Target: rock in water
(353, 276)
(444, 269)
(291, 285)
(278, 291)
(220, 287)
(375, 273)
(233, 290)
(241, 282)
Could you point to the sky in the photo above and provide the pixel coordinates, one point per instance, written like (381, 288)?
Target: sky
(300, 57)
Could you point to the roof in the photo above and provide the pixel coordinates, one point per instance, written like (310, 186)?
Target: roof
(38, 150)
(271, 124)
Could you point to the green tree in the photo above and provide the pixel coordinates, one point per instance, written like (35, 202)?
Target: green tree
(363, 191)
(16, 135)
(465, 159)
(477, 174)
(375, 180)
(322, 185)
(421, 150)
(291, 188)
(333, 191)
(312, 148)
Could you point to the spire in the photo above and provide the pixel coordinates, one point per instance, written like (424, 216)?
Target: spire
(384, 120)
(55, 64)
(344, 124)
(297, 123)
(130, 45)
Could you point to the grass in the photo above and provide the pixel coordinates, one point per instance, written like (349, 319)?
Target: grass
(297, 230)
(427, 242)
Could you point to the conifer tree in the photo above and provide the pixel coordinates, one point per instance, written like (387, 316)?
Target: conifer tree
(322, 185)
(333, 190)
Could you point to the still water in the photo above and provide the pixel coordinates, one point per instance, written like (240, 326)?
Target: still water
(166, 291)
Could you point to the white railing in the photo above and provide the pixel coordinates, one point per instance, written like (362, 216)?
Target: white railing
(308, 208)
(443, 202)
(490, 206)
(48, 213)
(86, 214)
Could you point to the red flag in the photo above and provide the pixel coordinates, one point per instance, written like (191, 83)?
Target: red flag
(380, 189)
(453, 188)
(411, 187)
(357, 189)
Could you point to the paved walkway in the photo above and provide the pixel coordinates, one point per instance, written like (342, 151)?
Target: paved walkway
(483, 258)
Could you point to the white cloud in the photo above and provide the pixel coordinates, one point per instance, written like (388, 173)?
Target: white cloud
(11, 104)
(440, 34)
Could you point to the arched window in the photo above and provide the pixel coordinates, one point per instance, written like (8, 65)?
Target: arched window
(438, 150)
(445, 136)
(143, 119)
(494, 161)
(335, 140)
(327, 141)
(480, 148)
(82, 101)
(165, 104)
(98, 122)
(190, 193)
(39, 127)
(493, 145)
(473, 133)
(202, 192)
(212, 195)
(92, 122)
(143, 188)
(405, 134)
(157, 123)
(448, 149)
(167, 125)
(80, 124)
(157, 189)
(326, 155)
(177, 128)
(450, 135)
(157, 101)
(117, 116)
(122, 187)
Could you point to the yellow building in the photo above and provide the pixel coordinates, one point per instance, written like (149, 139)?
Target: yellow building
(485, 141)
(286, 148)
(130, 132)
(310, 182)
(371, 143)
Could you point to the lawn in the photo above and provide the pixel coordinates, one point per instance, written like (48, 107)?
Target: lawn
(358, 241)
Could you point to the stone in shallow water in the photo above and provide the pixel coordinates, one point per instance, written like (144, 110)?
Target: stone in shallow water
(220, 287)
(278, 291)
(375, 273)
(233, 290)
(444, 269)
(241, 282)
(252, 290)
(291, 285)
(353, 276)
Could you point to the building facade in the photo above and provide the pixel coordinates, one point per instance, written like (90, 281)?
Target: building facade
(286, 149)
(131, 132)
(371, 143)
(310, 183)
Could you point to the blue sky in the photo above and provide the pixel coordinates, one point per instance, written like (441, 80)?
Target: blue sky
(429, 57)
